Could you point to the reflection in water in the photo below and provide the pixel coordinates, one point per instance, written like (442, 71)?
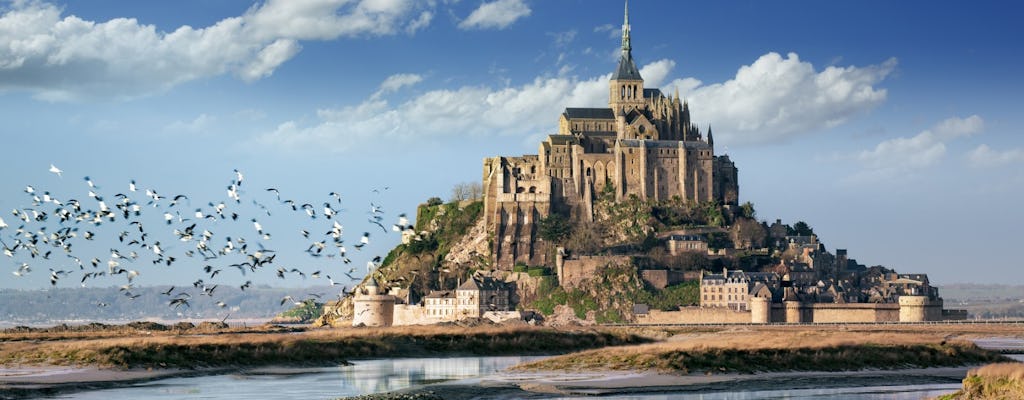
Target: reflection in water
(375, 376)
(365, 377)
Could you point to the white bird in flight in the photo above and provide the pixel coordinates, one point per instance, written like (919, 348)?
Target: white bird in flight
(56, 170)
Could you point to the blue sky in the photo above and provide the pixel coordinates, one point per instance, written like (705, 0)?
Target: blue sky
(890, 127)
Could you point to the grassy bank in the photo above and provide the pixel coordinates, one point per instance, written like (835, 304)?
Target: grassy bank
(319, 347)
(750, 352)
(995, 381)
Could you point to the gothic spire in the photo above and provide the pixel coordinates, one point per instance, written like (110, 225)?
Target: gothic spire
(627, 69)
(626, 46)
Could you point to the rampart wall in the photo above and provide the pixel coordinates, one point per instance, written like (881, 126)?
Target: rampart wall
(575, 271)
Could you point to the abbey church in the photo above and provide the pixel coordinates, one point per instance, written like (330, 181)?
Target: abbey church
(643, 144)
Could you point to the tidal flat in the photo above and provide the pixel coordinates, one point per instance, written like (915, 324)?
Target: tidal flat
(108, 356)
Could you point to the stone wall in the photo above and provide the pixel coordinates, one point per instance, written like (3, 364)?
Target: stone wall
(779, 313)
(853, 312)
(575, 271)
(406, 314)
(695, 315)
(661, 278)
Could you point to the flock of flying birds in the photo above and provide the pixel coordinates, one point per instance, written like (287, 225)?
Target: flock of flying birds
(47, 232)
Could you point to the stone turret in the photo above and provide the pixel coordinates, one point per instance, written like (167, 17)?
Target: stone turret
(919, 309)
(371, 308)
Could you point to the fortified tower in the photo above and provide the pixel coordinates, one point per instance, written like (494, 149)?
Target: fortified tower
(371, 308)
(919, 309)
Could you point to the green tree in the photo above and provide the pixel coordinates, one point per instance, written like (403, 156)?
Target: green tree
(747, 210)
(800, 228)
(555, 228)
(713, 214)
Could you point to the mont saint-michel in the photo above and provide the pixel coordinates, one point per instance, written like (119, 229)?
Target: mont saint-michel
(379, 200)
(625, 215)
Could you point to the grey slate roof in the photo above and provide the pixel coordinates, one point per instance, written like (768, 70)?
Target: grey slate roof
(652, 93)
(589, 113)
(627, 69)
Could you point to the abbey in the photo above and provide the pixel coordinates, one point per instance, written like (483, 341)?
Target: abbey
(643, 144)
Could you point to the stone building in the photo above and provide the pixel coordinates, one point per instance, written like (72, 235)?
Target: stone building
(677, 244)
(471, 299)
(734, 289)
(643, 144)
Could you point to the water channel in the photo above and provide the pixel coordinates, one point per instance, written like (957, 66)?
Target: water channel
(376, 376)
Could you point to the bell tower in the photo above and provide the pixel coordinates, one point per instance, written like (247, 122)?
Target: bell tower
(626, 88)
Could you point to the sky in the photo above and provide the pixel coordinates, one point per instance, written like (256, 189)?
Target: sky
(892, 128)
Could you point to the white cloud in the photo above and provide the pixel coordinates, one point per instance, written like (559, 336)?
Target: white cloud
(611, 30)
(984, 156)
(563, 39)
(777, 99)
(59, 57)
(498, 14)
(656, 72)
(419, 23)
(832, 96)
(397, 81)
(465, 111)
(200, 124)
(268, 59)
(906, 154)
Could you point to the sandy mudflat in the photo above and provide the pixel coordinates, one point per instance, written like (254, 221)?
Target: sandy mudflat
(31, 382)
(540, 385)
(61, 375)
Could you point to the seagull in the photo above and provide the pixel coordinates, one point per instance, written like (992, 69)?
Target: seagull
(178, 302)
(309, 210)
(56, 170)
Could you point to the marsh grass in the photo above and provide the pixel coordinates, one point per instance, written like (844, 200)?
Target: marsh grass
(751, 352)
(317, 347)
(993, 381)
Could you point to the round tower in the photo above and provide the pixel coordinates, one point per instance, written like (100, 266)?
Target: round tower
(371, 308)
(760, 310)
(793, 312)
(913, 308)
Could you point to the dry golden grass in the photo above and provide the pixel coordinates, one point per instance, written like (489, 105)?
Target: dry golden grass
(324, 346)
(773, 349)
(147, 345)
(993, 381)
(1010, 370)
